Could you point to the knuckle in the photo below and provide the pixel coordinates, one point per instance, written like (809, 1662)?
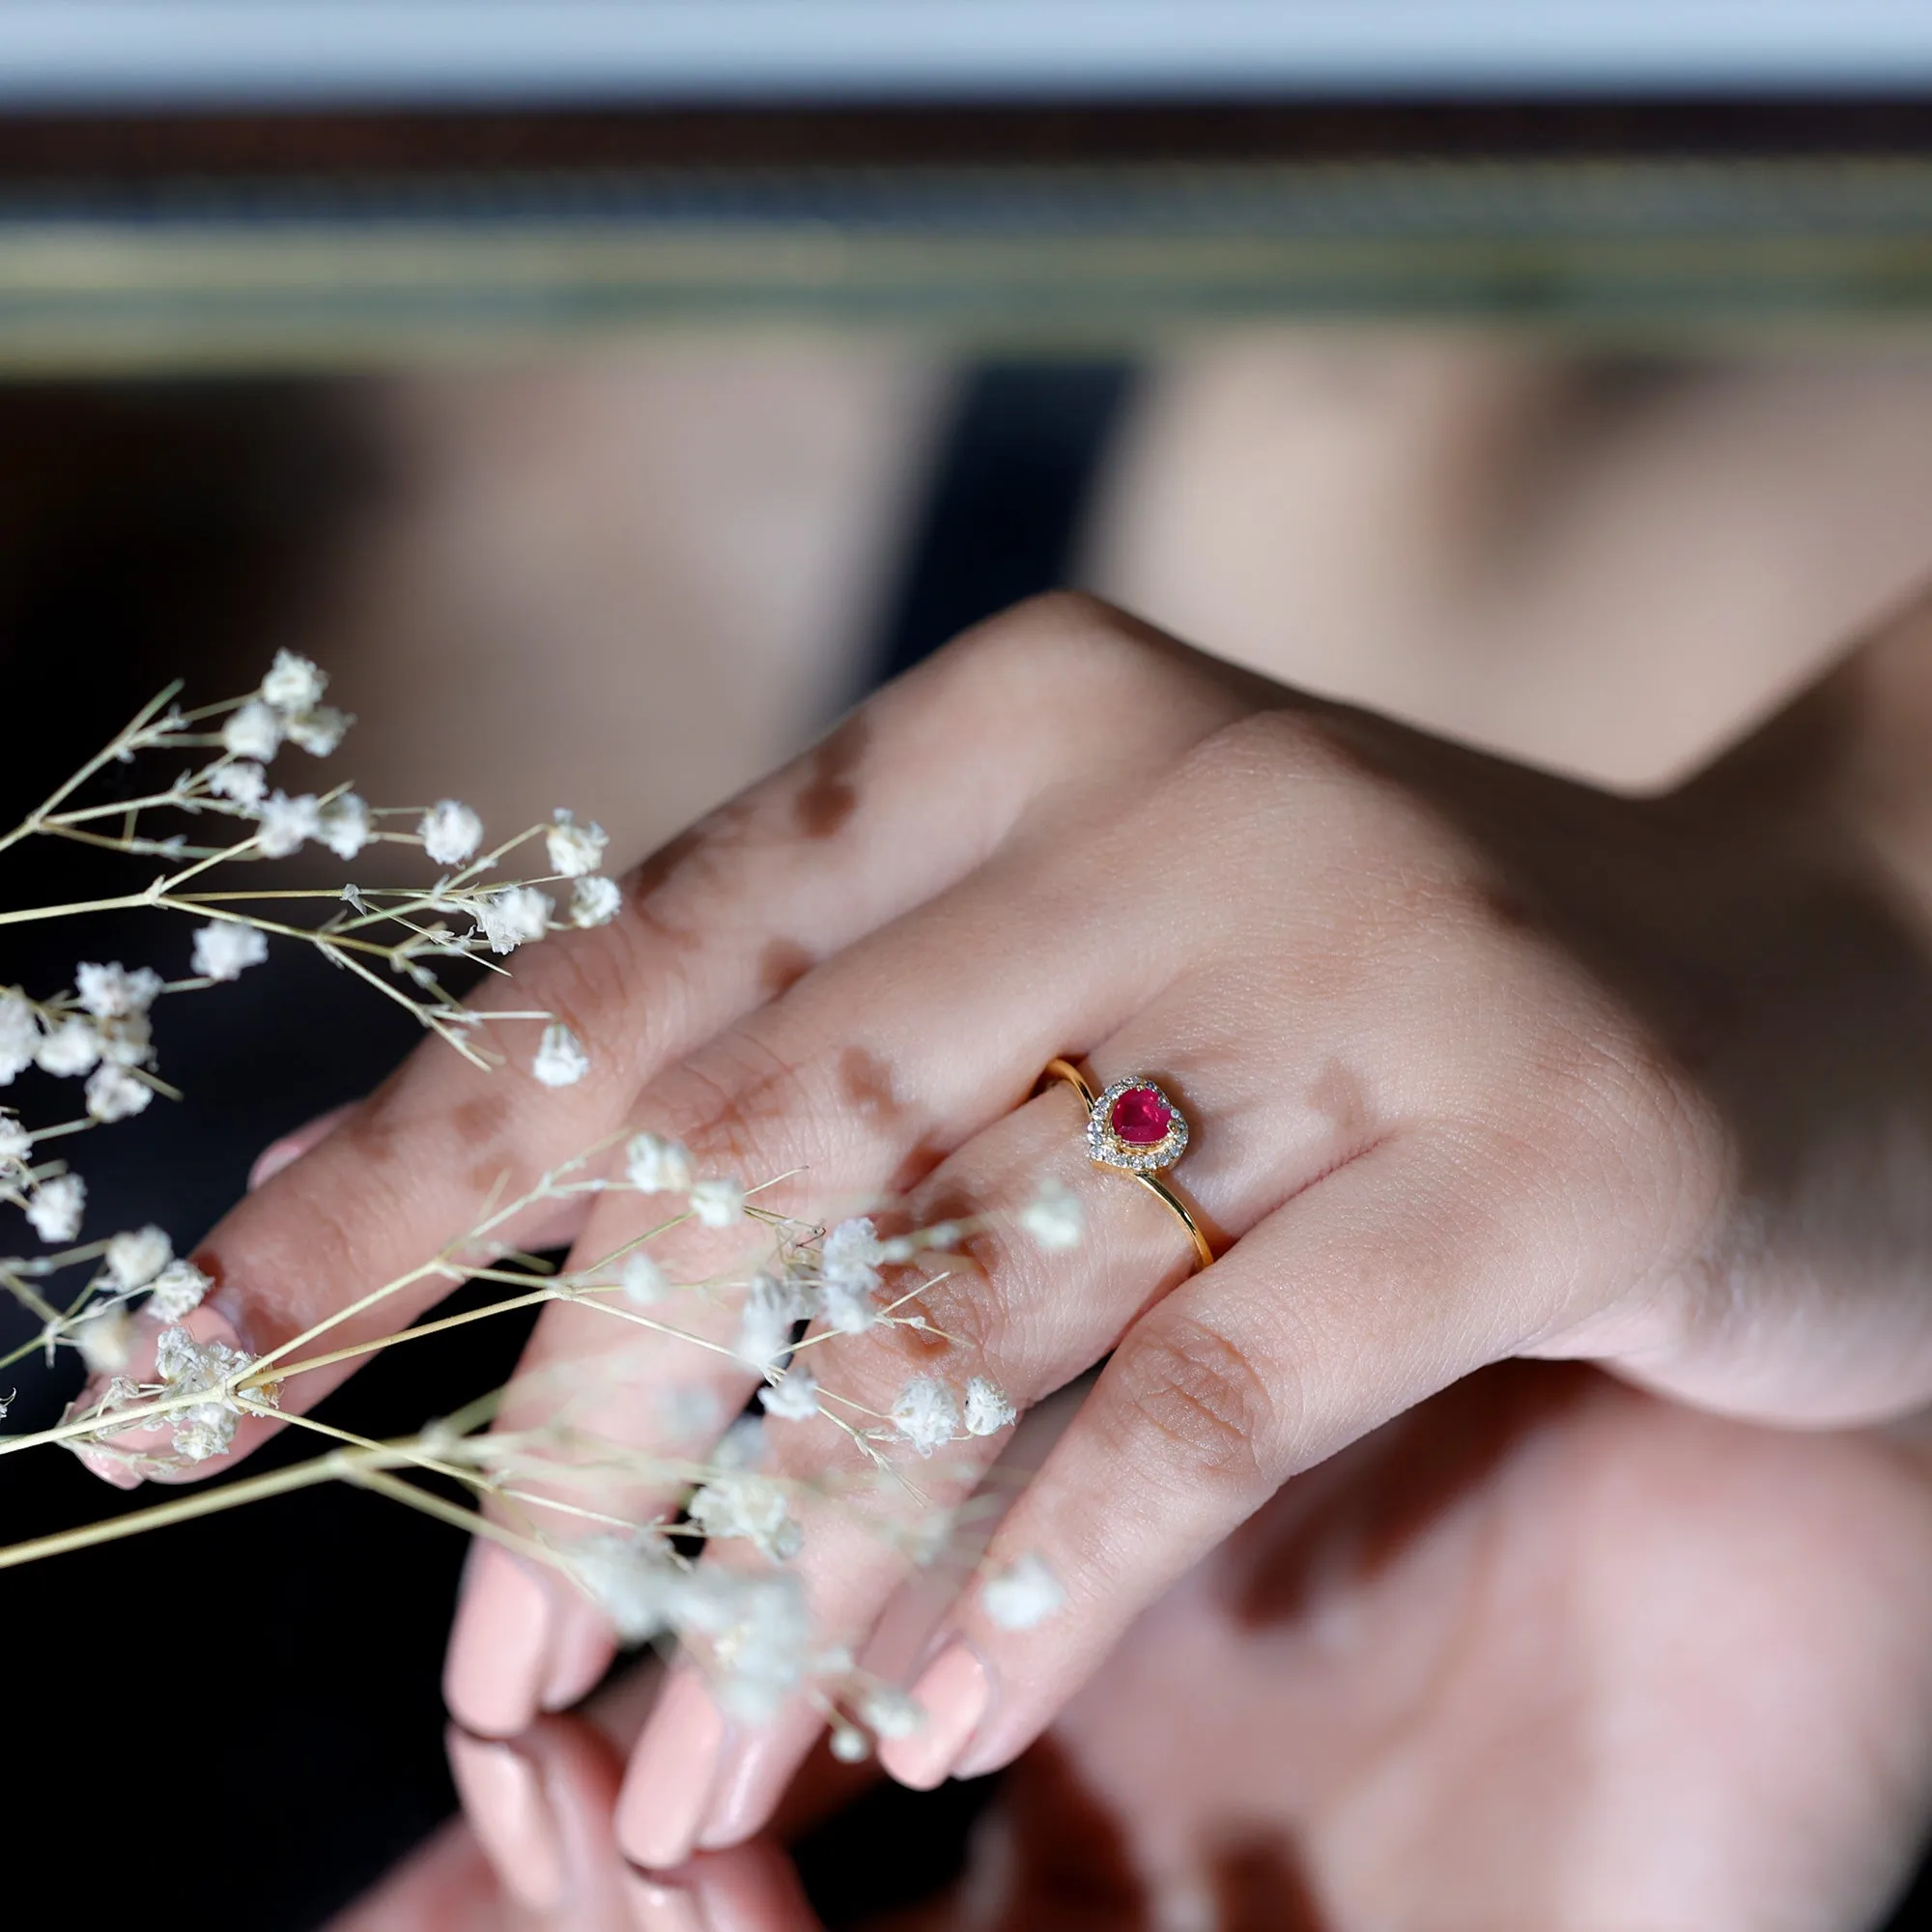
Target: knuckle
(743, 1100)
(1189, 1394)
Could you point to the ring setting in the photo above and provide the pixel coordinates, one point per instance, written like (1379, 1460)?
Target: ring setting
(1134, 1126)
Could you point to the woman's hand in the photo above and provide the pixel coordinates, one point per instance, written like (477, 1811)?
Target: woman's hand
(1547, 1652)
(1480, 1064)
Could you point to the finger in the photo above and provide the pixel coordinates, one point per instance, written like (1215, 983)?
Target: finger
(909, 793)
(1392, 1278)
(1031, 1321)
(847, 1077)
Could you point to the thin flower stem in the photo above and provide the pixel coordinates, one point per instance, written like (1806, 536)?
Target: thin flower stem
(121, 742)
(292, 1369)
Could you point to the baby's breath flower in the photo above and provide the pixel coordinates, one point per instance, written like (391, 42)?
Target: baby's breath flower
(113, 1093)
(224, 949)
(850, 1744)
(70, 1047)
(187, 1367)
(450, 831)
(19, 1035)
(594, 901)
(891, 1713)
(765, 1323)
(127, 1041)
(176, 1290)
(718, 1200)
(16, 1144)
(55, 1210)
(562, 1061)
(255, 731)
(112, 993)
(642, 1280)
(633, 1580)
(511, 918)
(282, 823)
(134, 1258)
(988, 1407)
(574, 850)
(293, 684)
(105, 1340)
(760, 1630)
(925, 1414)
(345, 826)
(657, 1165)
(319, 731)
(794, 1398)
(1022, 1595)
(1054, 1217)
(849, 1276)
(245, 782)
(751, 1506)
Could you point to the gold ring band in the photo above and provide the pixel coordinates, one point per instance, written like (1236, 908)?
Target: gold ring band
(1136, 1131)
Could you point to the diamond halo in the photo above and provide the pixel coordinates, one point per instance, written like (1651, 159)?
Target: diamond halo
(1146, 1101)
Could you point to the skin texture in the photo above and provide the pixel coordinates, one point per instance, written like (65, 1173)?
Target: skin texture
(1545, 1651)
(1483, 1065)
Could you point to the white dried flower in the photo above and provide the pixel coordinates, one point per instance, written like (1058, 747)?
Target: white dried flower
(513, 917)
(642, 1281)
(19, 1035)
(450, 831)
(562, 1061)
(574, 850)
(760, 1629)
(850, 1744)
(765, 1323)
(136, 1258)
(633, 1580)
(749, 1506)
(188, 1367)
(988, 1407)
(293, 684)
(742, 1446)
(127, 1041)
(1054, 1217)
(657, 1165)
(925, 1414)
(55, 1209)
(176, 1292)
(283, 823)
(224, 949)
(345, 826)
(105, 1340)
(319, 731)
(849, 1276)
(246, 783)
(16, 1143)
(72, 1047)
(1022, 1595)
(112, 993)
(718, 1200)
(255, 731)
(891, 1713)
(794, 1398)
(113, 1093)
(594, 901)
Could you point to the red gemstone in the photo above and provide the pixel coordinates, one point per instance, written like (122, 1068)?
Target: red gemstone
(1141, 1116)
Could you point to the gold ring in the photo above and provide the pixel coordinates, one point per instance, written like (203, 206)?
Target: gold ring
(1134, 1128)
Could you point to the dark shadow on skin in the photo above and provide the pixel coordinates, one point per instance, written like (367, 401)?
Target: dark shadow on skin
(1386, 1491)
(1261, 1886)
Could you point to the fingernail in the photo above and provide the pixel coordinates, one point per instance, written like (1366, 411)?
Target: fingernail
(744, 1797)
(954, 1693)
(581, 1651)
(290, 1148)
(667, 1788)
(658, 1906)
(498, 1656)
(504, 1800)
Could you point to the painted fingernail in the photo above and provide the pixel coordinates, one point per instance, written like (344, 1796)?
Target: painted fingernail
(499, 1658)
(658, 1906)
(504, 1800)
(954, 1693)
(290, 1148)
(581, 1651)
(744, 1791)
(668, 1789)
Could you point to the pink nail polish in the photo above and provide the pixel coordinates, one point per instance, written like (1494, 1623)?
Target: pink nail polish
(499, 1650)
(581, 1650)
(954, 1693)
(504, 1797)
(668, 1789)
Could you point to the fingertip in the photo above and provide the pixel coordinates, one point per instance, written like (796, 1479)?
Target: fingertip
(499, 1658)
(668, 1789)
(954, 1693)
(581, 1651)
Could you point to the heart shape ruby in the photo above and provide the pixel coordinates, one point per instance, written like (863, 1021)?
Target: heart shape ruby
(1140, 1117)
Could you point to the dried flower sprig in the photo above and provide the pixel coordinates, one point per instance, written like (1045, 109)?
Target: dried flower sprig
(556, 1491)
